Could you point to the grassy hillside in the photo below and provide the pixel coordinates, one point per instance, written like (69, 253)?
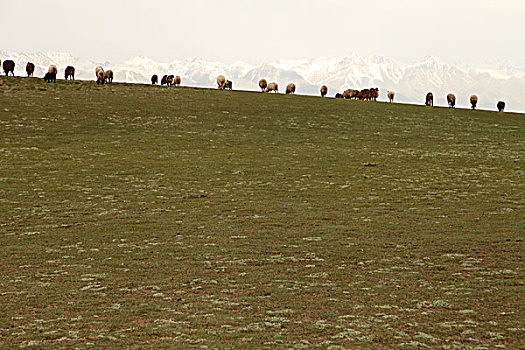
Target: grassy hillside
(136, 216)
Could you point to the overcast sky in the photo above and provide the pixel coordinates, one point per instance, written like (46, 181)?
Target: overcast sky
(470, 31)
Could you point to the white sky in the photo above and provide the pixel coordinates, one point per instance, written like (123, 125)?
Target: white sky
(470, 31)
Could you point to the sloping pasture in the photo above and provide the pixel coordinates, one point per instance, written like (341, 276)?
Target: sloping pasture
(144, 217)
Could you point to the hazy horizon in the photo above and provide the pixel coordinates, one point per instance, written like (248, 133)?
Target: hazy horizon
(410, 81)
(480, 64)
(472, 32)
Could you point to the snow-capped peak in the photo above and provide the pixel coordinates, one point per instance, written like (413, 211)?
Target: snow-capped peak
(411, 82)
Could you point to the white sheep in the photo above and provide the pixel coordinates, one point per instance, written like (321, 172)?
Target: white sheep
(391, 95)
(221, 81)
(99, 73)
(290, 88)
(108, 76)
(272, 87)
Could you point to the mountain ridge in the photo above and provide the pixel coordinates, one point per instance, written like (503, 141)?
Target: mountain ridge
(411, 82)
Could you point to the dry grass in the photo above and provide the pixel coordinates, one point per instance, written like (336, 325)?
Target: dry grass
(146, 217)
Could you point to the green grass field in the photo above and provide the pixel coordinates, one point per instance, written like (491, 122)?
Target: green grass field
(146, 217)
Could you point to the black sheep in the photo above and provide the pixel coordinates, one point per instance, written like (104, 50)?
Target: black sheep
(9, 66)
(50, 77)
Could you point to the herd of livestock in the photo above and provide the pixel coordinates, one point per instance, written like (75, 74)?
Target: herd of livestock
(106, 77)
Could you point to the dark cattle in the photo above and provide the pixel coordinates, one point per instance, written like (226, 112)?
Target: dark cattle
(501, 106)
(338, 95)
(228, 85)
(30, 68)
(429, 100)
(154, 79)
(9, 66)
(50, 77)
(70, 72)
(451, 99)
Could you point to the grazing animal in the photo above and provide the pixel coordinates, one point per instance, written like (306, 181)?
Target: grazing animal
(53, 69)
(221, 81)
(9, 66)
(99, 73)
(50, 77)
(30, 69)
(272, 87)
(176, 81)
(108, 76)
(164, 80)
(263, 84)
(451, 99)
(501, 106)
(338, 95)
(100, 77)
(169, 80)
(70, 72)
(324, 90)
(391, 95)
(374, 94)
(228, 85)
(473, 101)
(290, 88)
(154, 79)
(429, 100)
(364, 95)
(350, 93)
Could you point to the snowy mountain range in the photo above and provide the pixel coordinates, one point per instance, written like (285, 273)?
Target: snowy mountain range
(411, 82)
